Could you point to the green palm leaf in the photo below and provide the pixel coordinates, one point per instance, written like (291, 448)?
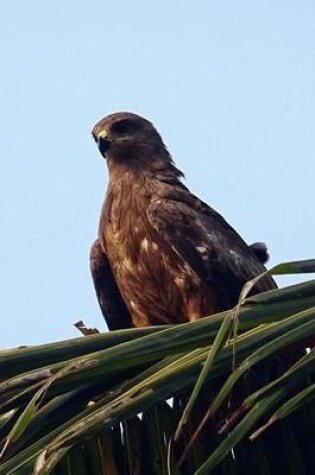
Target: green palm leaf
(73, 406)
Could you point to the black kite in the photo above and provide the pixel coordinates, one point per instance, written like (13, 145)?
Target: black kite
(162, 256)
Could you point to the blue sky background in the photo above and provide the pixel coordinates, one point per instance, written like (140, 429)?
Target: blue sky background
(230, 86)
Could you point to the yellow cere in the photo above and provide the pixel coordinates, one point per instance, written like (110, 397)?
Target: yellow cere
(103, 134)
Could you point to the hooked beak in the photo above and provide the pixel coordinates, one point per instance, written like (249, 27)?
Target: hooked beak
(103, 141)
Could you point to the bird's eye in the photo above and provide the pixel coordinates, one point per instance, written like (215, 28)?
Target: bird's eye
(124, 126)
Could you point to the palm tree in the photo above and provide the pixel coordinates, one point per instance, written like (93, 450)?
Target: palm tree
(229, 394)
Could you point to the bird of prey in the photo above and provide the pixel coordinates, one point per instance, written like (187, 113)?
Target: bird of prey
(162, 255)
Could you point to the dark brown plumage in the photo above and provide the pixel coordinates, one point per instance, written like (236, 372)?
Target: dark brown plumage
(162, 256)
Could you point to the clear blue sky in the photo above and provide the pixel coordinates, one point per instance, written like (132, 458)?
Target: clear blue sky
(230, 86)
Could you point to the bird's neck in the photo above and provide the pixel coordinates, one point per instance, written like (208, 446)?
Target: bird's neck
(159, 166)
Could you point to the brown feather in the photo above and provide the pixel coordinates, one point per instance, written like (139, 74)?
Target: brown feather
(172, 257)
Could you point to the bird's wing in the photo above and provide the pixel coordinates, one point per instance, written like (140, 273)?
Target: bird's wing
(112, 305)
(206, 242)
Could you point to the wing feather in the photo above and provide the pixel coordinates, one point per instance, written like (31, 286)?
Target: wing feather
(112, 305)
(207, 243)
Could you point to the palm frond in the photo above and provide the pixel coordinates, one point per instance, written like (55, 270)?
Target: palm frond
(101, 403)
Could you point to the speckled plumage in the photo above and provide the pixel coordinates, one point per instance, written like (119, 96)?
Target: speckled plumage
(162, 256)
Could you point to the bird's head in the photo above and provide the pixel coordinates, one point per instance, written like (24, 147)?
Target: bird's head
(132, 141)
(123, 134)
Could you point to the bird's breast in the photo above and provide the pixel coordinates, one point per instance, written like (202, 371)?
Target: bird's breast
(157, 285)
